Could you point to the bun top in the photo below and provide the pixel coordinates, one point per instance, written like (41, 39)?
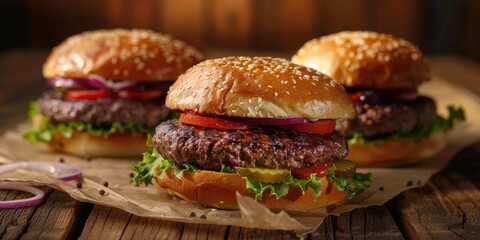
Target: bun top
(366, 60)
(259, 87)
(120, 54)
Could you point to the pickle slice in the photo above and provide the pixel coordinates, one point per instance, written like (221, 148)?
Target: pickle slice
(345, 168)
(264, 174)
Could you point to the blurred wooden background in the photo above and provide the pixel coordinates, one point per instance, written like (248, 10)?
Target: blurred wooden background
(438, 26)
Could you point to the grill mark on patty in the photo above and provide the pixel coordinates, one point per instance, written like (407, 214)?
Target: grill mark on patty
(255, 138)
(258, 147)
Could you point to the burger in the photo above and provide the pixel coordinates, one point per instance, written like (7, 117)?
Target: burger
(263, 127)
(395, 125)
(109, 89)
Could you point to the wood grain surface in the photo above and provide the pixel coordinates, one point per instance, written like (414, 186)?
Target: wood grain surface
(447, 207)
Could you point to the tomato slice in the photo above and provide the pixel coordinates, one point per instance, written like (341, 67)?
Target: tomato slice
(141, 94)
(87, 94)
(212, 122)
(304, 173)
(319, 127)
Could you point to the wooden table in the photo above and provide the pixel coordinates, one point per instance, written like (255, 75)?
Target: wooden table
(448, 207)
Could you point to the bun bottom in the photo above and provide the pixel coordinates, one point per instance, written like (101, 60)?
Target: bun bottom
(115, 145)
(218, 190)
(396, 152)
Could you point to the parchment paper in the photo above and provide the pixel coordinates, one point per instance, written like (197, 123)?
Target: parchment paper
(154, 202)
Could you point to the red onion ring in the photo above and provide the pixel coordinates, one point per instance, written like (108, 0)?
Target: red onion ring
(60, 171)
(69, 83)
(100, 83)
(275, 121)
(38, 197)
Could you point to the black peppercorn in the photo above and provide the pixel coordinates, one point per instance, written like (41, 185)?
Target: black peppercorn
(79, 185)
(381, 189)
(105, 184)
(61, 160)
(102, 192)
(409, 183)
(203, 216)
(192, 215)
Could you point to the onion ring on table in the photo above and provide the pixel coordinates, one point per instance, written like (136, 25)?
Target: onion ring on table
(60, 171)
(38, 197)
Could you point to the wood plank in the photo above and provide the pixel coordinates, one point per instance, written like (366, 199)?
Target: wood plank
(56, 218)
(14, 221)
(149, 228)
(231, 23)
(185, 23)
(296, 23)
(465, 195)
(400, 18)
(141, 13)
(265, 35)
(472, 33)
(447, 207)
(105, 223)
(114, 13)
(253, 233)
(344, 15)
(374, 222)
(325, 231)
(425, 214)
(204, 231)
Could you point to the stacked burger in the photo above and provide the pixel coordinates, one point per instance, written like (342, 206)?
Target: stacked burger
(262, 127)
(394, 124)
(109, 89)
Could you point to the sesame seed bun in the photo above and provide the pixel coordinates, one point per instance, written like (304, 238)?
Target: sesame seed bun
(120, 54)
(217, 189)
(259, 87)
(391, 152)
(366, 60)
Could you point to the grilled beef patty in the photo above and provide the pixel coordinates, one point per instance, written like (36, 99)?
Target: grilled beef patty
(101, 112)
(257, 147)
(379, 119)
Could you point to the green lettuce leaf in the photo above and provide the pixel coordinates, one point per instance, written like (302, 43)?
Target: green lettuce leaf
(46, 131)
(421, 131)
(145, 172)
(353, 186)
(281, 189)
